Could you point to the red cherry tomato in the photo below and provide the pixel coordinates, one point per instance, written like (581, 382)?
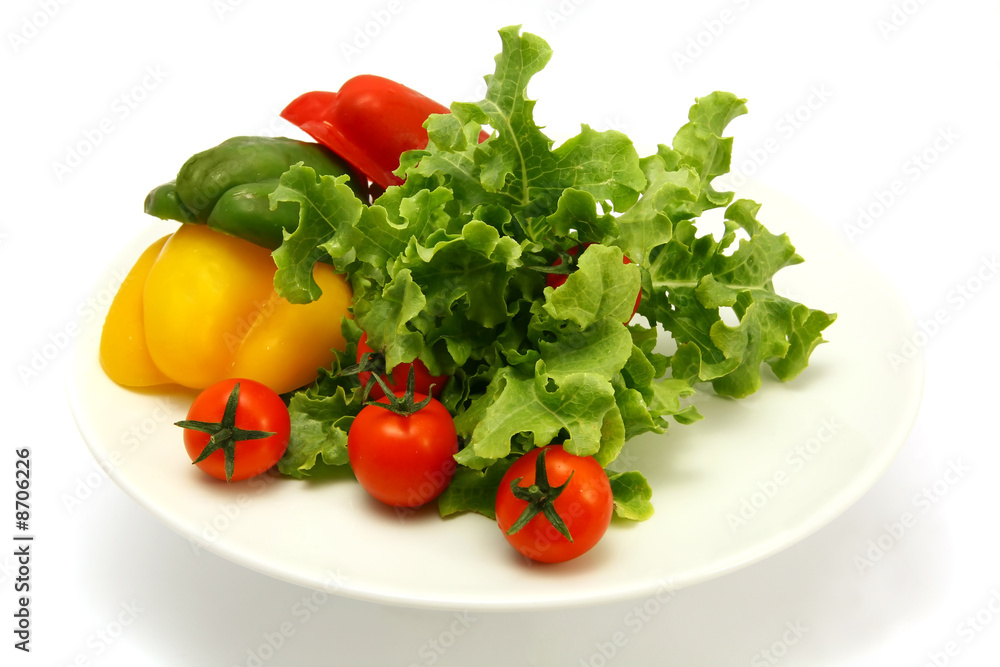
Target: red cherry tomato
(400, 373)
(554, 280)
(258, 409)
(403, 460)
(585, 505)
(370, 122)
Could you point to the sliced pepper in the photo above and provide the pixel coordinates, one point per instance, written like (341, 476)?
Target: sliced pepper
(124, 354)
(370, 122)
(209, 312)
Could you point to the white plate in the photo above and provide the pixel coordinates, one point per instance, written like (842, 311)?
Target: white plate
(754, 477)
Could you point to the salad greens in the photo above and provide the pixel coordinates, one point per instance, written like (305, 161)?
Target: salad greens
(443, 269)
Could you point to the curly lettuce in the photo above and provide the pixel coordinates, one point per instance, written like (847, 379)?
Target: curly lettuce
(444, 269)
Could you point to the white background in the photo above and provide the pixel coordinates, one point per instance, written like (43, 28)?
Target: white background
(869, 85)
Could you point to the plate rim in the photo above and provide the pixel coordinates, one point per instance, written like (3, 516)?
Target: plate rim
(832, 508)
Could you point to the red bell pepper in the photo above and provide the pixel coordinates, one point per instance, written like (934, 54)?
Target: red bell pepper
(370, 122)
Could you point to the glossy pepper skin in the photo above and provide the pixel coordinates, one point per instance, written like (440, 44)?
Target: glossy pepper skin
(227, 187)
(124, 354)
(369, 122)
(209, 312)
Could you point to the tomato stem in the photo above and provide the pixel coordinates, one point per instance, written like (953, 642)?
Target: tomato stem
(224, 433)
(565, 265)
(540, 497)
(370, 362)
(404, 405)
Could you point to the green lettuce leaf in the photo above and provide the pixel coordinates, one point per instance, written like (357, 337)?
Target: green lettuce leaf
(602, 286)
(602, 349)
(325, 204)
(692, 278)
(319, 430)
(474, 490)
(383, 231)
(474, 266)
(536, 406)
(632, 494)
(517, 166)
(448, 268)
(701, 146)
(385, 315)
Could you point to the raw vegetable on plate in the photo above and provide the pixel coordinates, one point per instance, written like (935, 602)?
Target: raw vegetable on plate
(450, 269)
(530, 288)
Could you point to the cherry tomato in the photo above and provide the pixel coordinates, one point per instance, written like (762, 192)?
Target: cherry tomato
(403, 460)
(370, 122)
(585, 505)
(397, 382)
(258, 414)
(554, 280)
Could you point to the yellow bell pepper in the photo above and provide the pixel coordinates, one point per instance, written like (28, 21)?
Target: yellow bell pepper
(124, 354)
(199, 307)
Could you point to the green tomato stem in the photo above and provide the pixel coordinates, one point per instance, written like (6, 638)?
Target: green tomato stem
(225, 434)
(540, 497)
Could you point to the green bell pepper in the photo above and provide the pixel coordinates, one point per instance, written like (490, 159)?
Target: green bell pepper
(227, 187)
